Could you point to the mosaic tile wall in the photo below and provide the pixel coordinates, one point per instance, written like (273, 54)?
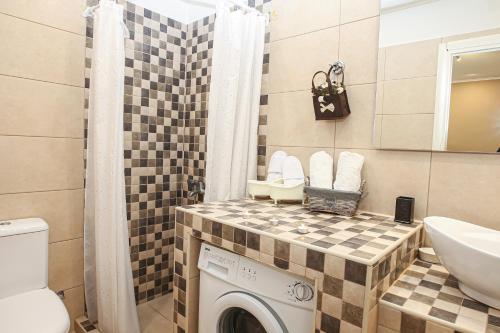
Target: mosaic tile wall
(198, 69)
(167, 81)
(153, 102)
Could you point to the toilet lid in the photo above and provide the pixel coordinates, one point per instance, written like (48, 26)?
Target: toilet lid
(38, 311)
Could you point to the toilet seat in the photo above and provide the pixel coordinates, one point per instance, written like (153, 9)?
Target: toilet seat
(38, 311)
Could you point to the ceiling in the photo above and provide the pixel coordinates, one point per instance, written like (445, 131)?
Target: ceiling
(477, 66)
(395, 5)
(185, 11)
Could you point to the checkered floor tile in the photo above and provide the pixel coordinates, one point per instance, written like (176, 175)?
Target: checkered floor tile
(431, 292)
(364, 237)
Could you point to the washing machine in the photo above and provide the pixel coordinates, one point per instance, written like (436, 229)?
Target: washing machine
(240, 295)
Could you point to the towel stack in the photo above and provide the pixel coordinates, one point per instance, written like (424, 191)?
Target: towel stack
(348, 177)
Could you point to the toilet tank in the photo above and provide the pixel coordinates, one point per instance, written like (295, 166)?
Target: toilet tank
(23, 256)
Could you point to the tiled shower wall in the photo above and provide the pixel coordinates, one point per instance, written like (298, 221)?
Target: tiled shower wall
(167, 81)
(153, 104)
(200, 36)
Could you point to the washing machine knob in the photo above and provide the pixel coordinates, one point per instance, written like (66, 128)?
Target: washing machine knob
(303, 292)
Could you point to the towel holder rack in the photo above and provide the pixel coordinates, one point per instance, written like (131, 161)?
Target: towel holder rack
(338, 67)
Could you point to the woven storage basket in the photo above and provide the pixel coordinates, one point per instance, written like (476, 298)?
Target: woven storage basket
(334, 201)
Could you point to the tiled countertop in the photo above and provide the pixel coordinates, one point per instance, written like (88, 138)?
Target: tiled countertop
(430, 293)
(351, 260)
(364, 238)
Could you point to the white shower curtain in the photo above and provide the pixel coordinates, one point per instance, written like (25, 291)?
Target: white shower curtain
(109, 289)
(233, 111)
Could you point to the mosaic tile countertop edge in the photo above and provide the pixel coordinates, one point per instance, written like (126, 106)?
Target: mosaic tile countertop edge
(429, 293)
(241, 214)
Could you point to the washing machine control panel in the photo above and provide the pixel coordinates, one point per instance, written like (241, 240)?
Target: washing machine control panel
(256, 278)
(300, 291)
(248, 272)
(215, 258)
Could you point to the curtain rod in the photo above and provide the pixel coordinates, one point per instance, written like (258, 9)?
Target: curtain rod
(233, 2)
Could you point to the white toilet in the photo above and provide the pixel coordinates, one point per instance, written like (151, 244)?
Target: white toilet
(26, 303)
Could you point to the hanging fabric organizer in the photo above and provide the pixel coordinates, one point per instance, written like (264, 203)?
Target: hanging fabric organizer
(330, 98)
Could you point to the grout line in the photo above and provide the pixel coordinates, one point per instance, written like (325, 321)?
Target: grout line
(66, 240)
(322, 29)
(41, 136)
(43, 191)
(155, 310)
(309, 89)
(43, 24)
(45, 81)
(429, 186)
(303, 33)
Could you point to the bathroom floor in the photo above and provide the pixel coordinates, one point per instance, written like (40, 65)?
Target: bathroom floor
(156, 316)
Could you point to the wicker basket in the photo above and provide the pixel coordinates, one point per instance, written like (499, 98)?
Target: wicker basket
(334, 201)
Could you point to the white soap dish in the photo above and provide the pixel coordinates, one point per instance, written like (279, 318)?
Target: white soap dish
(427, 254)
(284, 192)
(260, 188)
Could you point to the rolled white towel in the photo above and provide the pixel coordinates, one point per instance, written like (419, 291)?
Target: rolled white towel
(321, 170)
(293, 173)
(348, 176)
(275, 169)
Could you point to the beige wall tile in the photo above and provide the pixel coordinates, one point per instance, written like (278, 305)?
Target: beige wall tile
(358, 48)
(66, 264)
(302, 153)
(408, 131)
(331, 305)
(286, 20)
(409, 96)
(354, 10)
(379, 104)
(193, 303)
(62, 14)
(298, 254)
(38, 164)
(59, 55)
(377, 131)
(373, 320)
(291, 122)
(355, 131)
(40, 108)
(411, 60)
(432, 327)
(382, 329)
(63, 211)
(390, 174)
(293, 61)
(353, 293)
(75, 303)
(466, 187)
(381, 64)
(389, 317)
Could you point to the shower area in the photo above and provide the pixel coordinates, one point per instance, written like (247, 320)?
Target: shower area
(168, 66)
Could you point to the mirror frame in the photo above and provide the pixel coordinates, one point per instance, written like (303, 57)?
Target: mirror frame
(446, 53)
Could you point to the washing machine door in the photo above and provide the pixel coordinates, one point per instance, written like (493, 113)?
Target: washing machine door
(240, 312)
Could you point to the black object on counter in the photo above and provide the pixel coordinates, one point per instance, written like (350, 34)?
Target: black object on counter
(404, 210)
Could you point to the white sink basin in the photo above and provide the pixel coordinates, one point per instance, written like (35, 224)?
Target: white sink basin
(471, 253)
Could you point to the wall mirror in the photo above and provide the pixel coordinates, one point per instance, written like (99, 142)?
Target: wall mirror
(438, 82)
